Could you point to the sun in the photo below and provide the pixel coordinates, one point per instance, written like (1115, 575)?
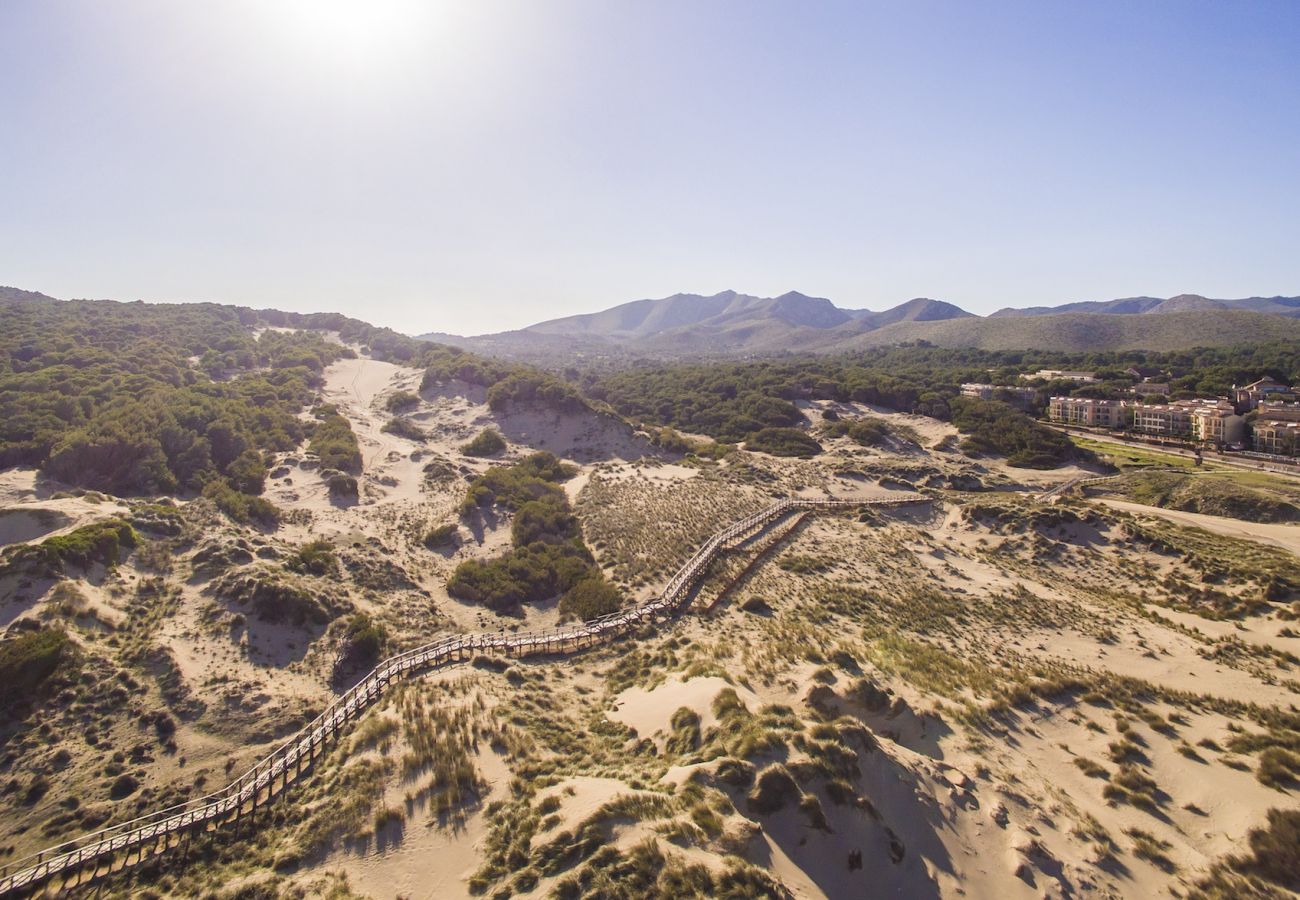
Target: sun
(355, 32)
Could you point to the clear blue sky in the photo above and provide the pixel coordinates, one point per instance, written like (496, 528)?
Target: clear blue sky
(476, 166)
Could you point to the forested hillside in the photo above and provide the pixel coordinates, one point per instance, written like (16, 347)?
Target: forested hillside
(137, 398)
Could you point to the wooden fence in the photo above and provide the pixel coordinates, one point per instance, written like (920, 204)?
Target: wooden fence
(125, 845)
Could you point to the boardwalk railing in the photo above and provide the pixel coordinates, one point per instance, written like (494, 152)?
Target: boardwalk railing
(160, 831)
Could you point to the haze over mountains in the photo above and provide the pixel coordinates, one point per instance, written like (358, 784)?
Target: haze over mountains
(735, 324)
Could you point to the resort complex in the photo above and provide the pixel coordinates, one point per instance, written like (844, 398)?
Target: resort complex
(1263, 415)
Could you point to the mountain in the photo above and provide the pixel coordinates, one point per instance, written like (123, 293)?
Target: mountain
(731, 324)
(1281, 306)
(724, 324)
(1075, 332)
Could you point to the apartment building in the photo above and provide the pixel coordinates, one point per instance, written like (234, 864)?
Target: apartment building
(1277, 430)
(1151, 388)
(1023, 397)
(1164, 419)
(1278, 411)
(1086, 411)
(1218, 425)
(1064, 375)
(1280, 438)
(1265, 389)
(1206, 421)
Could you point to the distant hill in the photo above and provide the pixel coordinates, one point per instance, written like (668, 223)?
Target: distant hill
(731, 324)
(18, 295)
(724, 324)
(1092, 331)
(1279, 306)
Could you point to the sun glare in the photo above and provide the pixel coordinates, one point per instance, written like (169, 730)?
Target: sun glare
(352, 33)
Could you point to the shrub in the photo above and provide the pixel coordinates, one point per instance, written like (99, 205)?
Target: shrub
(401, 401)
(241, 507)
(774, 788)
(29, 660)
(487, 442)
(273, 599)
(593, 596)
(364, 641)
(522, 575)
(1275, 850)
(442, 536)
(343, 487)
(100, 542)
(248, 473)
(534, 389)
(1278, 767)
(548, 556)
(783, 442)
(994, 428)
(405, 428)
(315, 558)
(334, 443)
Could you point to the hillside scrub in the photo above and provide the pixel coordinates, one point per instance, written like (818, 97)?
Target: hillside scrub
(106, 543)
(996, 429)
(241, 508)
(28, 661)
(487, 442)
(334, 443)
(532, 478)
(106, 396)
(1209, 494)
(783, 442)
(401, 401)
(404, 428)
(548, 556)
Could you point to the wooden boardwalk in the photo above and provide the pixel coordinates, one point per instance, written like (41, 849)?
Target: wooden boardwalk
(91, 856)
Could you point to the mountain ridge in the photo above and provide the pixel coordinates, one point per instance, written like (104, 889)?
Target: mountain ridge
(730, 324)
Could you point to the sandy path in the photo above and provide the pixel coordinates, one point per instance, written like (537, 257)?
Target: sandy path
(1285, 536)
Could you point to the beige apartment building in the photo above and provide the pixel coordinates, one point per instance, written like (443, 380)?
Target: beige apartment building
(1218, 425)
(1277, 430)
(1204, 421)
(1164, 419)
(1278, 438)
(1086, 411)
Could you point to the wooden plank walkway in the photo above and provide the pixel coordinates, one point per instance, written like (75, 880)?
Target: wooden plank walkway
(125, 845)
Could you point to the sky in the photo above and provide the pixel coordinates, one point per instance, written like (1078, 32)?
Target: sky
(470, 167)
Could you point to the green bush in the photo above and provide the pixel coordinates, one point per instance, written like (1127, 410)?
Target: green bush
(533, 389)
(29, 660)
(487, 442)
(334, 443)
(592, 596)
(241, 507)
(315, 558)
(548, 556)
(343, 487)
(103, 542)
(533, 478)
(405, 428)
(521, 575)
(996, 429)
(364, 641)
(248, 473)
(441, 536)
(783, 442)
(401, 401)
